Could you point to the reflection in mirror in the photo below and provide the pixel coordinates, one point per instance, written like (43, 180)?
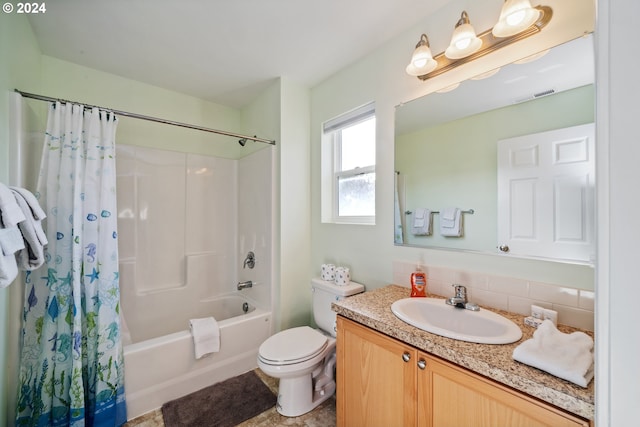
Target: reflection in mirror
(446, 143)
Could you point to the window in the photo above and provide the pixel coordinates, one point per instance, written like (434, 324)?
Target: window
(348, 167)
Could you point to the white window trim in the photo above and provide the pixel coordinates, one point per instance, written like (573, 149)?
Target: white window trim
(330, 157)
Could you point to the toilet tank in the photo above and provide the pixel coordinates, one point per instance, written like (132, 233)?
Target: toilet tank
(323, 294)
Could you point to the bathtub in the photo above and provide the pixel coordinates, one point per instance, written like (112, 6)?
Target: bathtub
(161, 369)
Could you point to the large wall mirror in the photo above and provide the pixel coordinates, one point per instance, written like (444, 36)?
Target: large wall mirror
(446, 147)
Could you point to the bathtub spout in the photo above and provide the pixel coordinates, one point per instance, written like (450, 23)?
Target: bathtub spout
(246, 284)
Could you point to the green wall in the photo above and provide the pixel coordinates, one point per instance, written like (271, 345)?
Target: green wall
(20, 61)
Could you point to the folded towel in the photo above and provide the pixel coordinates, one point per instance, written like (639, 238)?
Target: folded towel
(421, 222)
(10, 242)
(32, 256)
(567, 356)
(451, 222)
(32, 202)
(206, 336)
(10, 212)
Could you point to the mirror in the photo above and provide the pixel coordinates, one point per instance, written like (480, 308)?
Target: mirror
(446, 143)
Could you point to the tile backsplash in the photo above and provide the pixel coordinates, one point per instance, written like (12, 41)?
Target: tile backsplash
(575, 307)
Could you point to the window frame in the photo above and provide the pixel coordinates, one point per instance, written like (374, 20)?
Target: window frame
(332, 142)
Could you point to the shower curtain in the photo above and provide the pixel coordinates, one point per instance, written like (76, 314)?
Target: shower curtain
(71, 367)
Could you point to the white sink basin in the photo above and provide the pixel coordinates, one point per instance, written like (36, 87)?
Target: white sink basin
(433, 315)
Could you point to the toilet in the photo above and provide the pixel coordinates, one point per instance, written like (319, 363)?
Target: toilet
(304, 358)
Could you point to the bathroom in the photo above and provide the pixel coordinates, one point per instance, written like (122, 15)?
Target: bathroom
(294, 113)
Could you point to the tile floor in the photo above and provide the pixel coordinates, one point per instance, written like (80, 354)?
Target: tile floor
(322, 416)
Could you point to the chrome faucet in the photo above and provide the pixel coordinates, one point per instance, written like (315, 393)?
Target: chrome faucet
(245, 284)
(250, 260)
(460, 299)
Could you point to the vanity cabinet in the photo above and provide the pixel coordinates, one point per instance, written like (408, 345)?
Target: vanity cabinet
(384, 382)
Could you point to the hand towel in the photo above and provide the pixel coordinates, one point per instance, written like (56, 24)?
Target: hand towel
(10, 212)
(206, 336)
(421, 224)
(451, 222)
(36, 210)
(10, 242)
(32, 256)
(567, 356)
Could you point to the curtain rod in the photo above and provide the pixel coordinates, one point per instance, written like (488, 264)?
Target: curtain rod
(242, 141)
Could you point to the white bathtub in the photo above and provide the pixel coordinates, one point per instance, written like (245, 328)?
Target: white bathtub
(162, 369)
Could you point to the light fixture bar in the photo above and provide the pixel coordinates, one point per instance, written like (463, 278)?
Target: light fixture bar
(490, 43)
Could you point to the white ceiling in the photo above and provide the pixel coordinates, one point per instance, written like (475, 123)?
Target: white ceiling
(224, 51)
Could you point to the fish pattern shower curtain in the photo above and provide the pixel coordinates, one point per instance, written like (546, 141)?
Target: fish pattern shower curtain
(71, 367)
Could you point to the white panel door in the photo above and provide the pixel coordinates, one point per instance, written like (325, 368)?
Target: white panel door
(546, 200)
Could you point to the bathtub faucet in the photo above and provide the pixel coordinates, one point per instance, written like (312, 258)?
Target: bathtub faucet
(245, 284)
(250, 260)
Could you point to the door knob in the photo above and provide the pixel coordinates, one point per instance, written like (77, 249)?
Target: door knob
(422, 363)
(503, 248)
(406, 356)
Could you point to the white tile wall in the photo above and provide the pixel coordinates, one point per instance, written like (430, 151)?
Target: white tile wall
(575, 307)
(179, 232)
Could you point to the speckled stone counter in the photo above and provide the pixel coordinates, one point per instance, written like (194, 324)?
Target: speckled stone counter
(373, 309)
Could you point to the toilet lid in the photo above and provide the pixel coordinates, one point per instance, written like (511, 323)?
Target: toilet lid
(292, 345)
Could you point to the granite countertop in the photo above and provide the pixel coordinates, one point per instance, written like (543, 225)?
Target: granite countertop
(373, 309)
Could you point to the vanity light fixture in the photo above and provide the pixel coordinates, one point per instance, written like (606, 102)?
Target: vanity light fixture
(464, 41)
(518, 20)
(422, 61)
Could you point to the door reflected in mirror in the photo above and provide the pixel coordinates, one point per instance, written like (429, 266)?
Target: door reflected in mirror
(446, 146)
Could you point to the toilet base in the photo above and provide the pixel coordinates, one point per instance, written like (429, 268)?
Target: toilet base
(299, 395)
(296, 396)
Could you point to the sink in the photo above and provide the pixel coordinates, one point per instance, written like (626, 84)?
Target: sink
(433, 315)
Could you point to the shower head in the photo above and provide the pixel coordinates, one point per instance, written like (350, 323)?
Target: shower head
(242, 141)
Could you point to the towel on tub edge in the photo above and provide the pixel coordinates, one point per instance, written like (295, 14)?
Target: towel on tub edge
(206, 336)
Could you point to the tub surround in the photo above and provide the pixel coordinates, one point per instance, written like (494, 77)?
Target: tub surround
(373, 309)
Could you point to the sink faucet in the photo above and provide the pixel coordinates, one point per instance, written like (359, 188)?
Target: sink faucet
(460, 299)
(245, 284)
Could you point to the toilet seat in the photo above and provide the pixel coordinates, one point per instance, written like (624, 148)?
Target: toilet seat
(293, 346)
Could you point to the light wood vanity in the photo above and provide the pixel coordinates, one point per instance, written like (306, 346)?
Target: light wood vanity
(392, 374)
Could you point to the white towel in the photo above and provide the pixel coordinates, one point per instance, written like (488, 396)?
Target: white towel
(451, 222)
(568, 356)
(421, 224)
(10, 212)
(206, 336)
(32, 256)
(10, 243)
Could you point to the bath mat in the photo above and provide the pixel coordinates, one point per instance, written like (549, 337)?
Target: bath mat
(224, 404)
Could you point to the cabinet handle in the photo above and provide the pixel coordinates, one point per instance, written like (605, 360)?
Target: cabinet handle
(406, 356)
(422, 363)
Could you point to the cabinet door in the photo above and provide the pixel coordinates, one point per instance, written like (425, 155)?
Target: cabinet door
(451, 396)
(376, 378)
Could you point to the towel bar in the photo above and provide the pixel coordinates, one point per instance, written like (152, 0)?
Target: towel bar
(467, 211)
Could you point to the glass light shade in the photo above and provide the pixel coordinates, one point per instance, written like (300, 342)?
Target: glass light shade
(448, 88)
(532, 58)
(486, 74)
(422, 61)
(515, 17)
(464, 42)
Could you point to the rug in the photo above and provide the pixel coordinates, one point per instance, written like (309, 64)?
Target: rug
(224, 404)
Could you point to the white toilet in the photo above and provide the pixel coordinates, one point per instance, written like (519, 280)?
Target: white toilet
(304, 358)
